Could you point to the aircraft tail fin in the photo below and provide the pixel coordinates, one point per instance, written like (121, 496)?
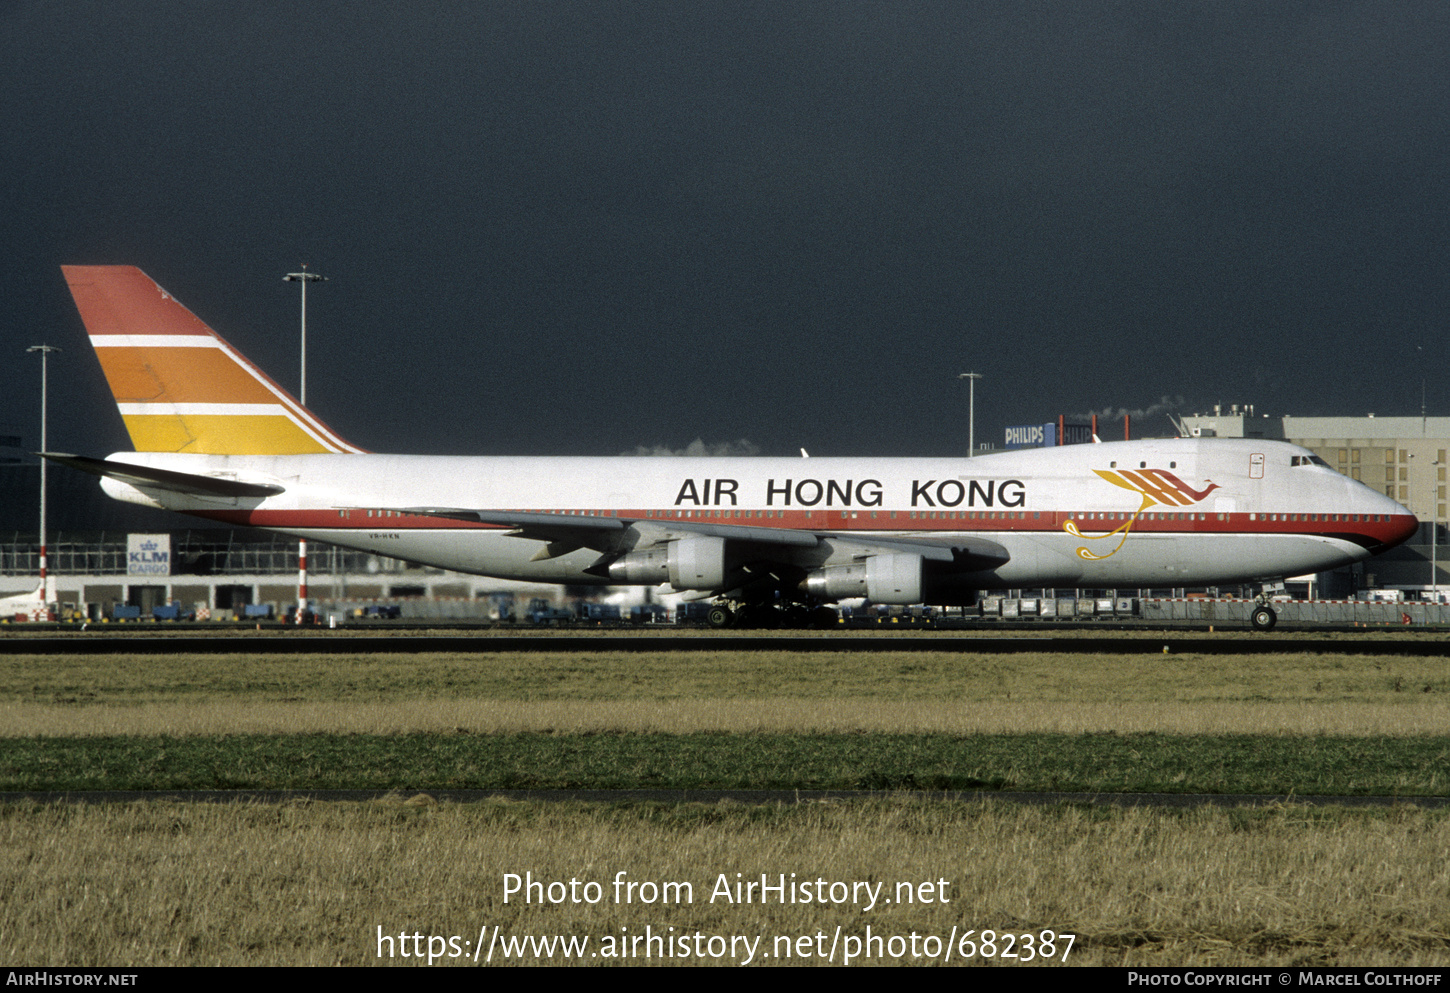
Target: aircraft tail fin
(179, 385)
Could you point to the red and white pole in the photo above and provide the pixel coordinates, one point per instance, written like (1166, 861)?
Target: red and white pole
(44, 350)
(301, 580)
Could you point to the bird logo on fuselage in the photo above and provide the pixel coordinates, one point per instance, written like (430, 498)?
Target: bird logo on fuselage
(1155, 486)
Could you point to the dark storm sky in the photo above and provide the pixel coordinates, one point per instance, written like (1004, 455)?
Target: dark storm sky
(580, 228)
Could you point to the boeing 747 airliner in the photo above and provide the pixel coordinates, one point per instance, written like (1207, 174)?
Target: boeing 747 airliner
(216, 438)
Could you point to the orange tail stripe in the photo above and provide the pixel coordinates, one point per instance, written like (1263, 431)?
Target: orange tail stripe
(179, 375)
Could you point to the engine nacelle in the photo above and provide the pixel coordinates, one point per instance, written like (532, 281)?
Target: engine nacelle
(694, 563)
(890, 577)
(894, 578)
(697, 563)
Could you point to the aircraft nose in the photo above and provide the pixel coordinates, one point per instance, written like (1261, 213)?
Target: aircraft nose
(1383, 523)
(1400, 525)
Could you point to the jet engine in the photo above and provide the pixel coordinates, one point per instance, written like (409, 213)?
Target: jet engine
(693, 563)
(891, 577)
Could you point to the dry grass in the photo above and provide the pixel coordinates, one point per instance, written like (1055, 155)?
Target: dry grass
(484, 716)
(157, 883)
(1048, 677)
(743, 691)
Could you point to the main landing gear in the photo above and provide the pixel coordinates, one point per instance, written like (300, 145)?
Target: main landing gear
(766, 615)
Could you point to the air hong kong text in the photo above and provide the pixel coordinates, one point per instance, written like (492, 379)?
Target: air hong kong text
(852, 493)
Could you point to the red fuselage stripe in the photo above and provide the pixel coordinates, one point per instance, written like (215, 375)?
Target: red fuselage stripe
(1378, 528)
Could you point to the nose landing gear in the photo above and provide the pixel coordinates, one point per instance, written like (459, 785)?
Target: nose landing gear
(1263, 618)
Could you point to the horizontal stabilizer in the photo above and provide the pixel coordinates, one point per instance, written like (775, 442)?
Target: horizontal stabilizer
(165, 479)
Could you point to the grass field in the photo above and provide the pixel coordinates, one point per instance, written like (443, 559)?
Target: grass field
(316, 884)
(155, 882)
(1282, 765)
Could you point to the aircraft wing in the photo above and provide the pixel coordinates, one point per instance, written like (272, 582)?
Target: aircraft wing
(563, 533)
(603, 533)
(612, 536)
(963, 550)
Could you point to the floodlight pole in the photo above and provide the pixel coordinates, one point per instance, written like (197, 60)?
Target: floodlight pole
(44, 350)
(971, 378)
(304, 277)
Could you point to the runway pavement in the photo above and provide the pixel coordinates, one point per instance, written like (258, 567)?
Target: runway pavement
(351, 643)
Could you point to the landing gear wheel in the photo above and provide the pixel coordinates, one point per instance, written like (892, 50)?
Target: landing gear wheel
(759, 615)
(796, 616)
(824, 617)
(719, 616)
(1263, 618)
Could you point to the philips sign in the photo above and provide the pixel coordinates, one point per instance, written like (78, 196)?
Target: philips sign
(1032, 436)
(1046, 435)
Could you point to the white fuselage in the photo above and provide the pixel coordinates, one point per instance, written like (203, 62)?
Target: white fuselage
(1217, 511)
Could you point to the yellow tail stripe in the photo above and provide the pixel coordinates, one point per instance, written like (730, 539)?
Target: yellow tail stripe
(221, 434)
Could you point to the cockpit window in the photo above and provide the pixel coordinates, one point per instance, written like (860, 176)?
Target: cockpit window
(1308, 460)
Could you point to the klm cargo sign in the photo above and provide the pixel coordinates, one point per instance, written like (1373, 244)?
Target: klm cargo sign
(148, 554)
